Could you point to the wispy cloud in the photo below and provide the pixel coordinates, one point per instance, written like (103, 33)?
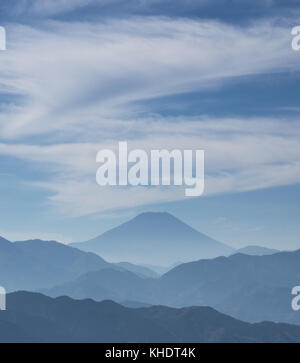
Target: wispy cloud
(78, 76)
(76, 87)
(241, 155)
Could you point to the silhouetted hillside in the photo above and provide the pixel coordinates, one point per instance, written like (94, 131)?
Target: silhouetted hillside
(66, 320)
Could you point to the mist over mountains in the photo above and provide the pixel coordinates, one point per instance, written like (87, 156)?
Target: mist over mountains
(256, 250)
(154, 237)
(108, 284)
(253, 286)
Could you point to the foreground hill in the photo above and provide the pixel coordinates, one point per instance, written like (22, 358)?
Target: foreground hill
(37, 318)
(154, 237)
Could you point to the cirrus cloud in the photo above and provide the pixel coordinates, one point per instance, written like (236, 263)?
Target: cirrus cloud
(74, 88)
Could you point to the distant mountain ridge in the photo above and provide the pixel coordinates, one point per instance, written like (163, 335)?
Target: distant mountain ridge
(37, 264)
(141, 271)
(37, 318)
(256, 250)
(106, 284)
(34, 264)
(251, 288)
(154, 237)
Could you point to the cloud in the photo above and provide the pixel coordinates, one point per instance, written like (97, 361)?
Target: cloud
(58, 6)
(76, 78)
(75, 198)
(50, 7)
(75, 88)
(241, 155)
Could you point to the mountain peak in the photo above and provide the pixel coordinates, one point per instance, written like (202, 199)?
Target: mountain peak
(152, 214)
(154, 237)
(159, 216)
(156, 223)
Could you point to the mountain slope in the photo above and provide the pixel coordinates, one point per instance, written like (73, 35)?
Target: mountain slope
(106, 284)
(52, 320)
(251, 288)
(35, 264)
(157, 238)
(141, 271)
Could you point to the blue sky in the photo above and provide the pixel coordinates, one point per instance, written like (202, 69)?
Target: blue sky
(83, 75)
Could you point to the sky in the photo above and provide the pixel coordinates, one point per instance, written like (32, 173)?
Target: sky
(79, 76)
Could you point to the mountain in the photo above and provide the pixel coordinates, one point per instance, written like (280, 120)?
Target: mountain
(4, 242)
(134, 304)
(106, 284)
(141, 271)
(160, 270)
(256, 251)
(37, 318)
(158, 238)
(34, 264)
(249, 288)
